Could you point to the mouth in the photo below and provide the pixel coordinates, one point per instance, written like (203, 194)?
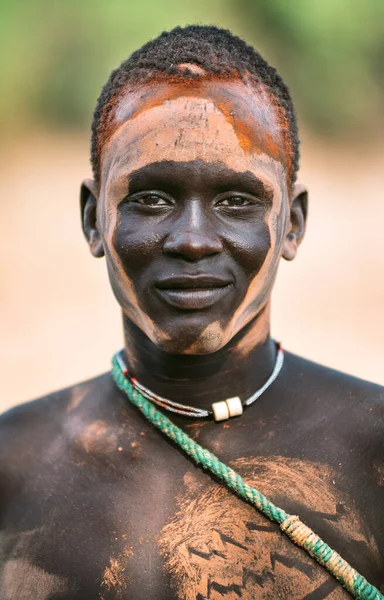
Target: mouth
(193, 292)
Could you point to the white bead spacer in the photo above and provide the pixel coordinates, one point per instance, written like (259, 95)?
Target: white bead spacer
(220, 411)
(235, 408)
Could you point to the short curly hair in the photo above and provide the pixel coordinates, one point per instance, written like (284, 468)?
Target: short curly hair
(218, 53)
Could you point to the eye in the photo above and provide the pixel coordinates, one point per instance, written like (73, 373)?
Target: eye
(235, 201)
(149, 200)
(152, 200)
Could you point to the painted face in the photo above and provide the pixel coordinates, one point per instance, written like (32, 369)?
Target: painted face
(193, 210)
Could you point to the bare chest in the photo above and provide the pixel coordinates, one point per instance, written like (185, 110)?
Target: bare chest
(176, 533)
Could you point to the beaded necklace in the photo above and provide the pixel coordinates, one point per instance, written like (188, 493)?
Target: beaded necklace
(231, 407)
(291, 525)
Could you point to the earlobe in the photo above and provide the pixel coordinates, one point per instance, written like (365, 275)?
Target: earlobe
(297, 221)
(88, 206)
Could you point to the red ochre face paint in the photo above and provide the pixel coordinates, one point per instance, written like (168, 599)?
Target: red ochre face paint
(260, 124)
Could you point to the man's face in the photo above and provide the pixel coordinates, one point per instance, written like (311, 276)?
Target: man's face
(193, 210)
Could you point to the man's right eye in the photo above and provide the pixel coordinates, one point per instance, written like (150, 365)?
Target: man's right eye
(151, 200)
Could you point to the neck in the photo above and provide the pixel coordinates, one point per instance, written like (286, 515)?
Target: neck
(237, 369)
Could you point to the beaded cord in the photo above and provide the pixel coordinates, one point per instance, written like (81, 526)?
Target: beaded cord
(192, 411)
(291, 525)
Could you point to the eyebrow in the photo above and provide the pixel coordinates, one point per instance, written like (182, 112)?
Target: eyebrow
(171, 175)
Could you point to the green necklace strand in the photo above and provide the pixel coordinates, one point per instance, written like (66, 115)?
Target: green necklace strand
(291, 525)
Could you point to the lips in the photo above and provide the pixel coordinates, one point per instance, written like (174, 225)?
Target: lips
(193, 292)
(192, 282)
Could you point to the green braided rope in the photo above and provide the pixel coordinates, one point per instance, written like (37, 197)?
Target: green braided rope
(297, 531)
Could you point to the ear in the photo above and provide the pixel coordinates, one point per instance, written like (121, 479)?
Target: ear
(297, 221)
(88, 206)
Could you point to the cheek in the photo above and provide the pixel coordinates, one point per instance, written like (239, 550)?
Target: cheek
(252, 245)
(118, 260)
(135, 244)
(124, 263)
(266, 259)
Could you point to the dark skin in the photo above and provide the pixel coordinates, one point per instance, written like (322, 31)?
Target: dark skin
(95, 502)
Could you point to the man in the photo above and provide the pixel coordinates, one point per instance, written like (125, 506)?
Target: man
(193, 203)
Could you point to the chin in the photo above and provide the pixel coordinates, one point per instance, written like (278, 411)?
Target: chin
(190, 342)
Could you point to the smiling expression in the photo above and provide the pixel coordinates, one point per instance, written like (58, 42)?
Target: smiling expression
(193, 209)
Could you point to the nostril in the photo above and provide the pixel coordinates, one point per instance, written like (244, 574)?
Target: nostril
(192, 245)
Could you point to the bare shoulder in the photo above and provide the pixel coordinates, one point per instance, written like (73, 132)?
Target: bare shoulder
(334, 388)
(352, 407)
(29, 429)
(331, 381)
(71, 426)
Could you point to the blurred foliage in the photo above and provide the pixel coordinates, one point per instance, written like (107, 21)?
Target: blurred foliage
(331, 53)
(56, 54)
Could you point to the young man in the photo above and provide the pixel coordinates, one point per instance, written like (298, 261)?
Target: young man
(193, 204)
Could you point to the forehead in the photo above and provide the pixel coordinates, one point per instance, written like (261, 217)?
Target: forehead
(222, 122)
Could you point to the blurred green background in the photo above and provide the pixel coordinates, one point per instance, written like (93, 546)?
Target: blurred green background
(56, 54)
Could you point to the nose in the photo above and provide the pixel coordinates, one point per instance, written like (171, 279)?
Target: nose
(193, 237)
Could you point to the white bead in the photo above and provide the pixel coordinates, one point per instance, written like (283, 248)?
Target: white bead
(220, 411)
(235, 408)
